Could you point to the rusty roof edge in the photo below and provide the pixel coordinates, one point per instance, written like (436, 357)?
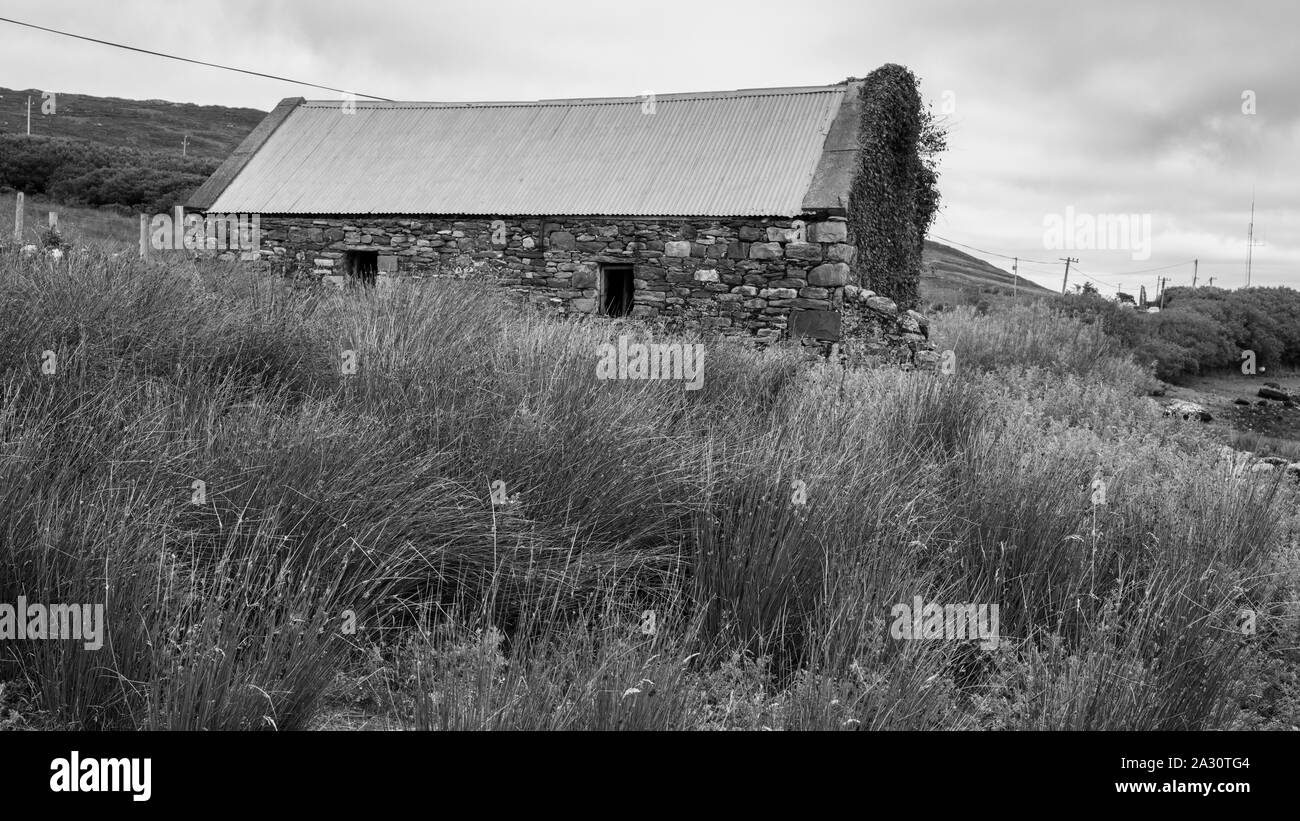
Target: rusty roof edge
(207, 193)
(829, 189)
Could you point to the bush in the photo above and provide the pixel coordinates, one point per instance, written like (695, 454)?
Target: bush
(1201, 330)
(81, 172)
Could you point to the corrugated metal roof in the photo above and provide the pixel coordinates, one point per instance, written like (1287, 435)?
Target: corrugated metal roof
(741, 153)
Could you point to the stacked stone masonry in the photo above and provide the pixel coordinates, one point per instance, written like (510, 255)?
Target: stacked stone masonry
(752, 278)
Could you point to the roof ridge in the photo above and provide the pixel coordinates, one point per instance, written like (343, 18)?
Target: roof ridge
(582, 101)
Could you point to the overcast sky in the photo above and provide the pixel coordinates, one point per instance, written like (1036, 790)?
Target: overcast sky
(1056, 111)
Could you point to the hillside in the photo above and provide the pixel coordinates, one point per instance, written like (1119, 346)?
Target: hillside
(155, 125)
(957, 268)
(949, 277)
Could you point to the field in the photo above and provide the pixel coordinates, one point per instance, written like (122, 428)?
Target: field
(106, 228)
(1264, 427)
(470, 530)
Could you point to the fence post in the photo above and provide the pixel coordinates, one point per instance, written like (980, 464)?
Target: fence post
(18, 219)
(54, 220)
(178, 228)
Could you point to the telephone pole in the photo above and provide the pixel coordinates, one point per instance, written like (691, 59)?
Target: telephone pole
(1196, 264)
(1163, 280)
(29, 115)
(1015, 278)
(1250, 238)
(1067, 261)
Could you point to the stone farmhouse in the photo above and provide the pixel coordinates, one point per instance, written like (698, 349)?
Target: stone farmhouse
(724, 212)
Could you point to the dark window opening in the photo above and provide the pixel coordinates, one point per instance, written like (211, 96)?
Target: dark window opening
(616, 290)
(362, 265)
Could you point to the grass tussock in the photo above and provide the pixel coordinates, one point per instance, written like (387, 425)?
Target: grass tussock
(419, 507)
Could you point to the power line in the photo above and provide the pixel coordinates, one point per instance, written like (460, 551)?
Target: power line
(1161, 268)
(188, 60)
(991, 253)
(1085, 275)
(1054, 264)
(1042, 264)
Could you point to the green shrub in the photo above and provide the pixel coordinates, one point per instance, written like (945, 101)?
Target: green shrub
(81, 172)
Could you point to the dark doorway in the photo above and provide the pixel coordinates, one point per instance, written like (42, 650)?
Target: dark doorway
(616, 290)
(362, 265)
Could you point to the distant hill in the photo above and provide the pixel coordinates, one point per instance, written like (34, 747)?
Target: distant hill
(949, 276)
(156, 125)
(958, 269)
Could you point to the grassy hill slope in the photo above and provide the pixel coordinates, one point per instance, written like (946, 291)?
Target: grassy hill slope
(156, 125)
(950, 277)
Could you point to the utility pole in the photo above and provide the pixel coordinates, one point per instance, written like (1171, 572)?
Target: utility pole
(1196, 264)
(1163, 280)
(29, 115)
(1067, 261)
(1015, 277)
(1250, 238)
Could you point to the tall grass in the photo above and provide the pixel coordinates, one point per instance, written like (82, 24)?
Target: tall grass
(202, 462)
(1026, 335)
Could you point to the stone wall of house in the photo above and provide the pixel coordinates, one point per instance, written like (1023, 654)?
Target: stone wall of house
(757, 278)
